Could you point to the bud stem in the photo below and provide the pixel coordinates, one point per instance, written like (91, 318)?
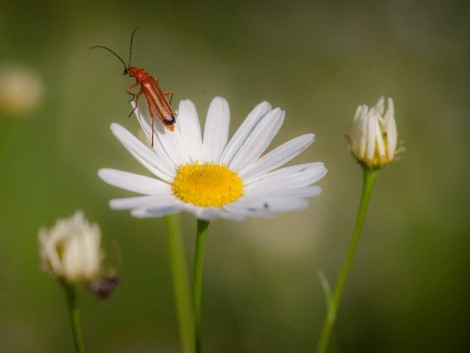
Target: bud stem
(74, 315)
(333, 306)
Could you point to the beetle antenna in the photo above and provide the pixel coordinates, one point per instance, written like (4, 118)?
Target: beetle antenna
(117, 56)
(130, 48)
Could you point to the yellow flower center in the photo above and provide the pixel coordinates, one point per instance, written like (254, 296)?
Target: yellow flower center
(207, 185)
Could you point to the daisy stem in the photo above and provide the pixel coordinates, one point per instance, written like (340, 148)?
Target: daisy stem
(197, 292)
(335, 300)
(74, 315)
(180, 283)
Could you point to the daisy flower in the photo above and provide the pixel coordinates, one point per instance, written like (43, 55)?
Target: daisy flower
(71, 252)
(71, 249)
(374, 140)
(211, 176)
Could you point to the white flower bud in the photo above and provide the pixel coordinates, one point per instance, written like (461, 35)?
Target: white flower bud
(373, 138)
(71, 249)
(21, 90)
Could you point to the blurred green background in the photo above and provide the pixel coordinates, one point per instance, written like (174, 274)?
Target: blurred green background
(410, 283)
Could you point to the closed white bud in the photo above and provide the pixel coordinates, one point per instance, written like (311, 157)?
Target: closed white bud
(21, 90)
(71, 250)
(373, 139)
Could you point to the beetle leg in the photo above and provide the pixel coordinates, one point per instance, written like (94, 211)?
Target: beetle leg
(136, 97)
(153, 119)
(131, 93)
(170, 94)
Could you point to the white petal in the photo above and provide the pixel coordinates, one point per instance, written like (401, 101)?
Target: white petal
(277, 203)
(154, 163)
(308, 191)
(371, 135)
(380, 106)
(278, 156)
(170, 141)
(153, 201)
(150, 213)
(72, 260)
(288, 178)
(134, 182)
(92, 253)
(188, 124)
(283, 204)
(266, 206)
(380, 141)
(231, 215)
(392, 138)
(363, 135)
(50, 253)
(390, 107)
(259, 139)
(144, 122)
(357, 115)
(249, 208)
(216, 129)
(286, 171)
(206, 213)
(244, 131)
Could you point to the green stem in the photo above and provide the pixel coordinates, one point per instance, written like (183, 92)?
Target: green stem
(74, 315)
(197, 292)
(334, 302)
(180, 283)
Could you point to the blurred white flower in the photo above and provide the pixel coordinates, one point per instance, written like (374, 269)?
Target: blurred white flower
(71, 249)
(20, 90)
(212, 176)
(373, 138)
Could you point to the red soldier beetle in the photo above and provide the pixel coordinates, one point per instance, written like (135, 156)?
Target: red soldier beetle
(157, 102)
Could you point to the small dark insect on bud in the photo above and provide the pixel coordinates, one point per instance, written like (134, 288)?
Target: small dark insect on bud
(105, 286)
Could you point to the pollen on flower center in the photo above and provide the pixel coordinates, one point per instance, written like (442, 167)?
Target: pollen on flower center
(207, 185)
